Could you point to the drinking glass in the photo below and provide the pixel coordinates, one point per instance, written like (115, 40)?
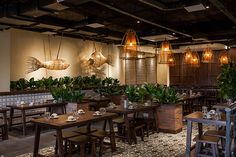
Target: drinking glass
(47, 114)
(204, 111)
(102, 110)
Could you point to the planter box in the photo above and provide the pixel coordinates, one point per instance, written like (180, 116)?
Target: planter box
(71, 106)
(116, 99)
(170, 118)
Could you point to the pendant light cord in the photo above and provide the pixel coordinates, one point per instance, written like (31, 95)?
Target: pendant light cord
(59, 46)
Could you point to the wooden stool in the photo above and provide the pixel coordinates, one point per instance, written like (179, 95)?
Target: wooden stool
(217, 133)
(65, 136)
(81, 141)
(101, 134)
(84, 131)
(207, 140)
(137, 127)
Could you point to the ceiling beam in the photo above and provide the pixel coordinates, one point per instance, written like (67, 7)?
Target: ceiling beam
(159, 5)
(140, 18)
(223, 9)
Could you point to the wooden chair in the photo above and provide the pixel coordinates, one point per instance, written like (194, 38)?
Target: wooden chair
(81, 141)
(65, 136)
(101, 134)
(3, 124)
(206, 151)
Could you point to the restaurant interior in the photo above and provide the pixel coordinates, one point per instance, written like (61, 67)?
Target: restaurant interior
(118, 78)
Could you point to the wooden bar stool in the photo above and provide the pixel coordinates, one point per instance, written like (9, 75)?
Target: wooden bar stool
(82, 140)
(211, 151)
(65, 136)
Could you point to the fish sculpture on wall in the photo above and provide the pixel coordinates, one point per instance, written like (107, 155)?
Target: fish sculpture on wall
(57, 64)
(94, 65)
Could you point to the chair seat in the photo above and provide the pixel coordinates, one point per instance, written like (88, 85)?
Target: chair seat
(83, 130)
(207, 139)
(68, 134)
(216, 133)
(119, 120)
(100, 134)
(82, 139)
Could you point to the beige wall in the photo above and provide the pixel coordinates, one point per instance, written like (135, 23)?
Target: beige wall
(17, 45)
(5, 41)
(26, 43)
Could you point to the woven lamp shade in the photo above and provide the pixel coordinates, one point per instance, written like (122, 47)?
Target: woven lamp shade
(130, 42)
(166, 55)
(224, 58)
(195, 61)
(207, 55)
(188, 56)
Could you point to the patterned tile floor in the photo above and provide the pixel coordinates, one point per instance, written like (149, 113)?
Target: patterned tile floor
(156, 145)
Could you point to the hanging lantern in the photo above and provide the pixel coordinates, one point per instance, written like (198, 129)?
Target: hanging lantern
(171, 60)
(224, 58)
(166, 56)
(130, 42)
(188, 56)
(207, 56)
(195, 61)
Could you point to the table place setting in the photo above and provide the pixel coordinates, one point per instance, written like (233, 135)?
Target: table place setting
(212, 114)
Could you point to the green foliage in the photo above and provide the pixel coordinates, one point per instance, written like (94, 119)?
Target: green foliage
(132, 93)
(21, 84)
(226, 81)
(165, 95)
(110, 86)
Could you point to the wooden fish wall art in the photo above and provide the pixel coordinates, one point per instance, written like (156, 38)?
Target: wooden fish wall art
(56, 64)
(94, 65)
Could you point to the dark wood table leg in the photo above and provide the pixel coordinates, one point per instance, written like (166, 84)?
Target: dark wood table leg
(188, 139)
(60, 143)
(155, 115)
(5, 128)
(127, 128)
(112, 134)
(11, 118)
(199, 129)
(36, 140)
(23, 122)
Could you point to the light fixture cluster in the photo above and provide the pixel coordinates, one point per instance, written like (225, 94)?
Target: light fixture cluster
(166, 56)
(193, 58)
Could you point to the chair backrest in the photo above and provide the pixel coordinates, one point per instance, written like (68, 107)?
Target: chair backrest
(230, 118)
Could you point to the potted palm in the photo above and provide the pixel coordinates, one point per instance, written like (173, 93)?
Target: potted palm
(170, 111)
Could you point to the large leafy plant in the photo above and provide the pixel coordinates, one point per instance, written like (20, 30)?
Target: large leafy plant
(132, 93)
(165, 95)
(226, 81)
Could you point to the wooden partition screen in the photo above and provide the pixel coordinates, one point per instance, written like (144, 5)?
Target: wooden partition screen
(206, 75)
(140, 70)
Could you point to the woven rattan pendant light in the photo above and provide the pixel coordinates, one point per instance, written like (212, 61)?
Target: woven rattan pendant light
(188, 56)
(166, 55)
(131, 43)
(224, 58)
(207, 55)
(195, 61)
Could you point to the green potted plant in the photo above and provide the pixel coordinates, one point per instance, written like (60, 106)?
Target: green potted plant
(170, 115)
(226, 82)
(132, 93)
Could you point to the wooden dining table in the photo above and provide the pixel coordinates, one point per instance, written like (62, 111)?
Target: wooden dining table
(62, 123)
(197, 117)
(24, 107)
(140, 108)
